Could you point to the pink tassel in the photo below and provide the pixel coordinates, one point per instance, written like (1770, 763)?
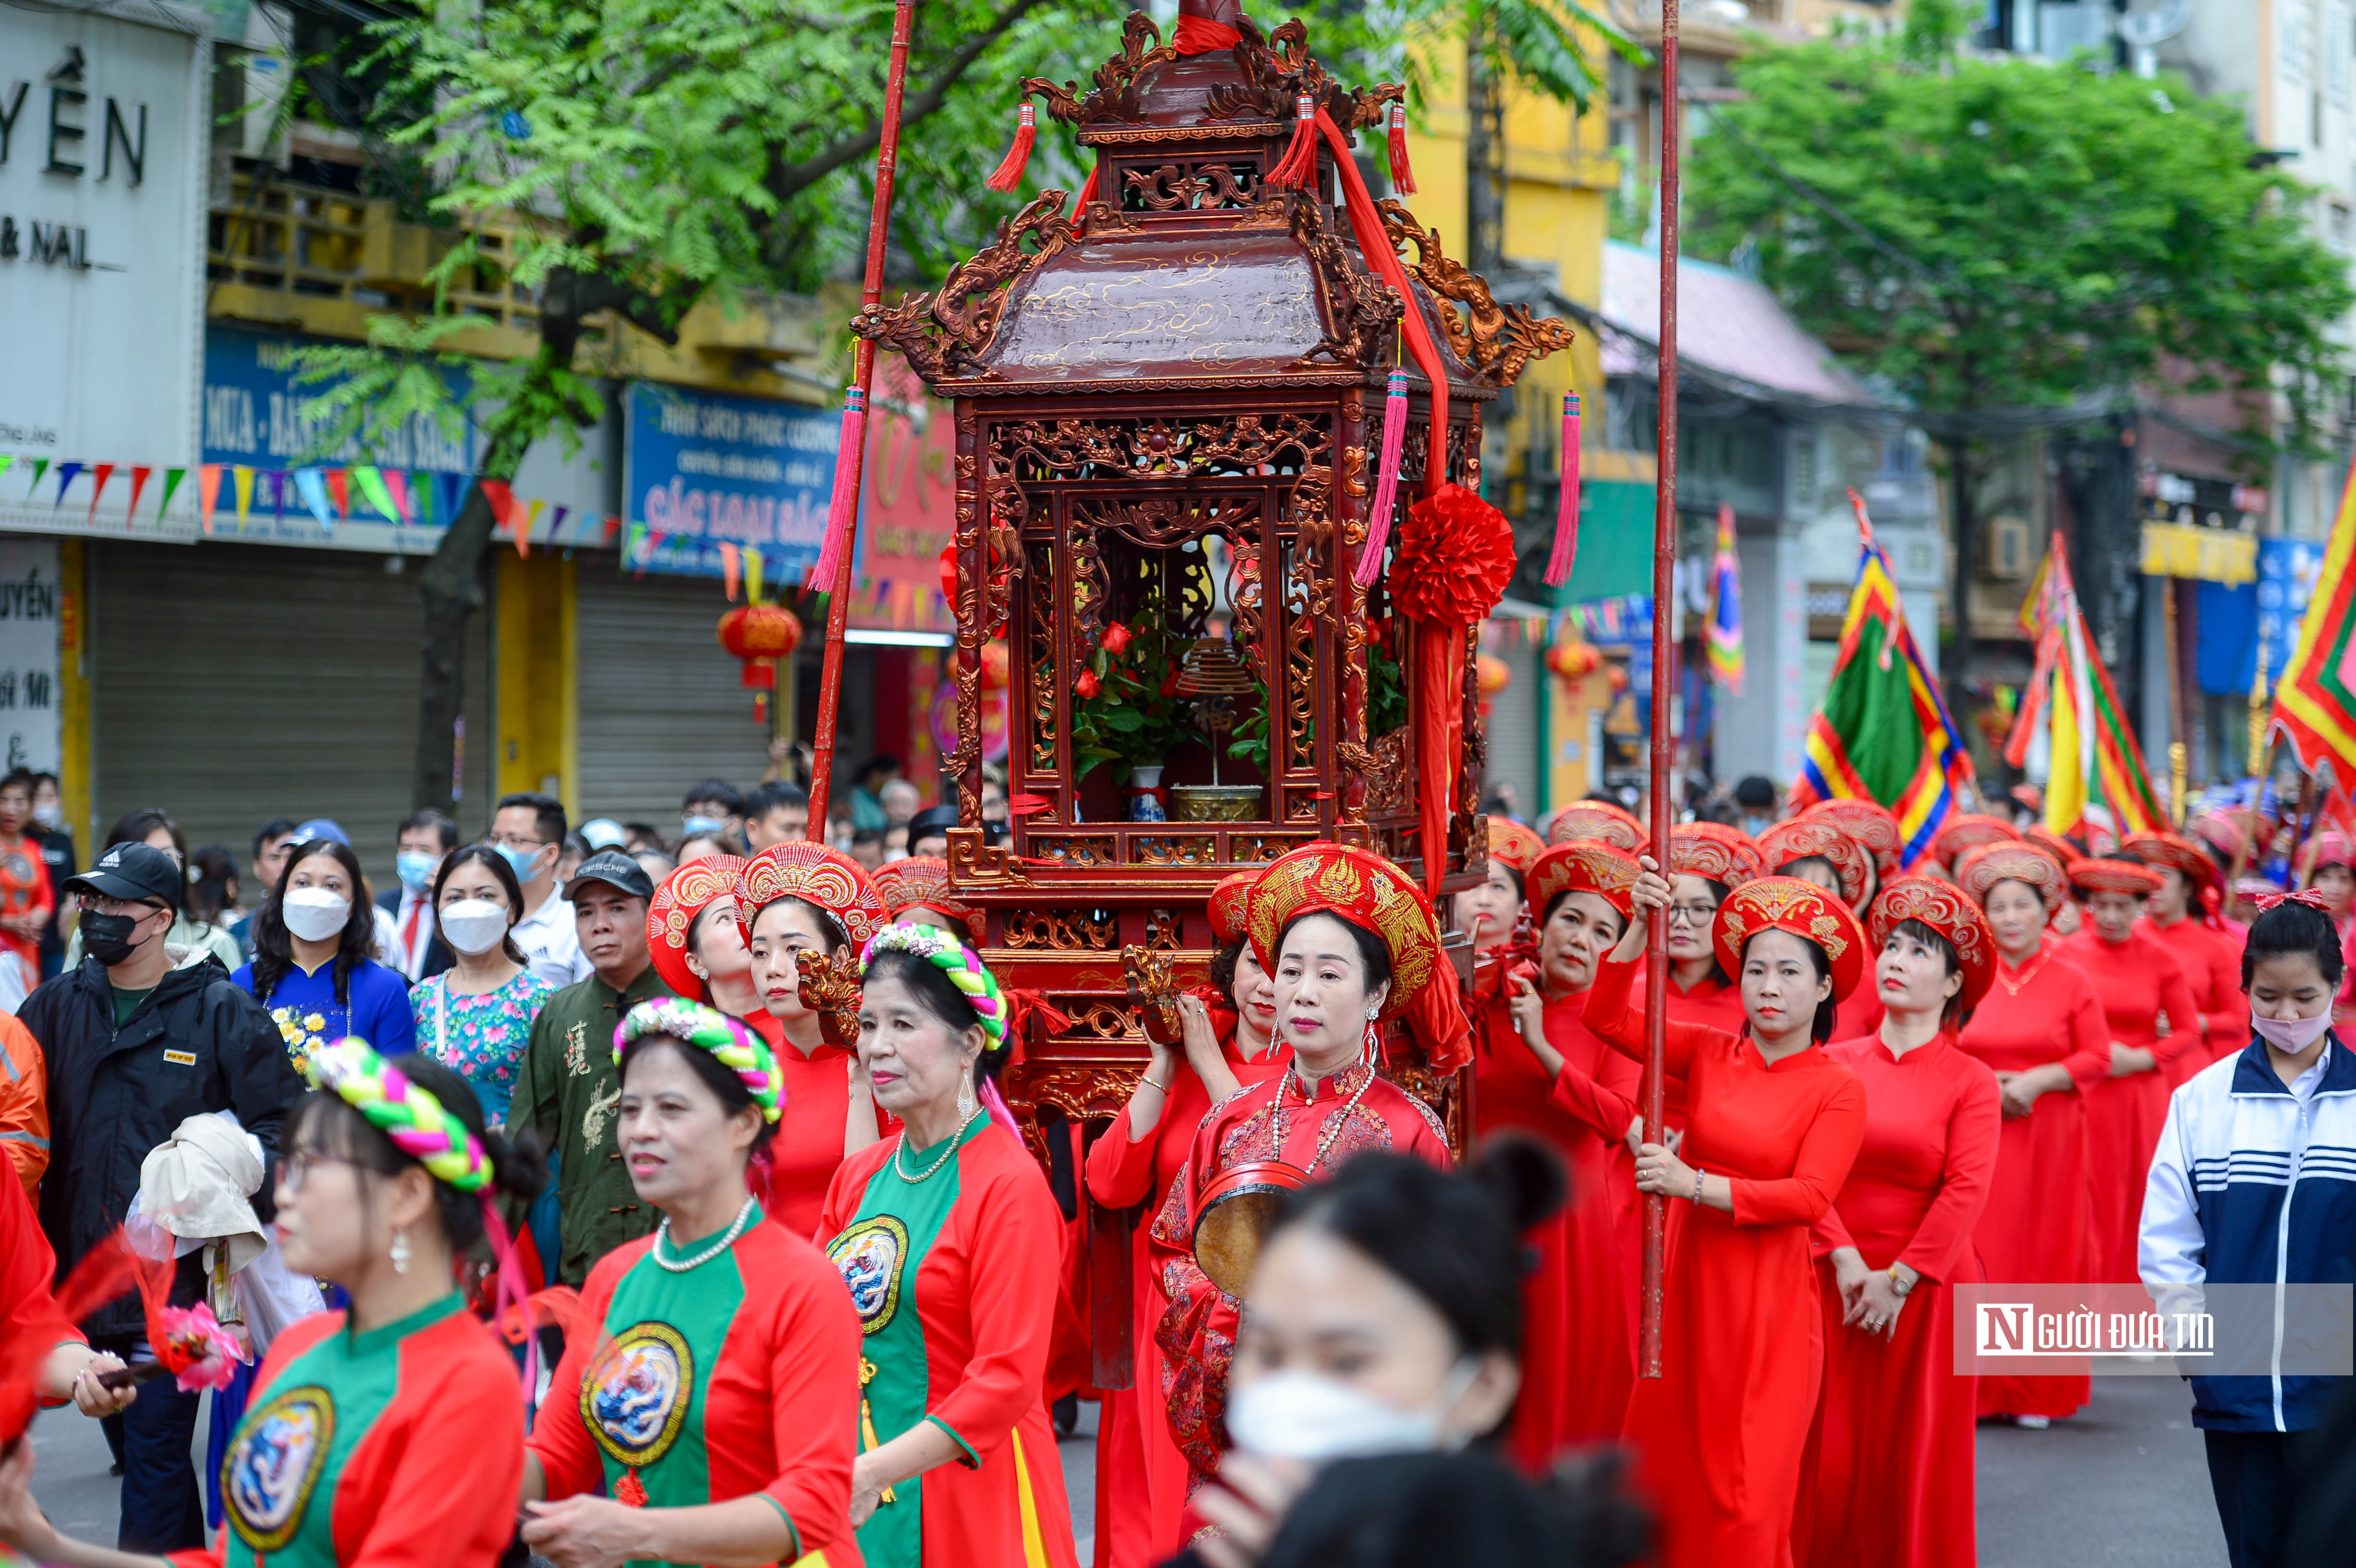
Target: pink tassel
(1299, 165)
(842, 508)
(995, 1104)
(1402, 176)
(1566, 512)
(511, 1290)
(1379, 526)
(1009, 173)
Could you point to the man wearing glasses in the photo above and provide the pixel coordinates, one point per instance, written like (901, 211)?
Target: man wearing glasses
(133, 1045)
(528, 830)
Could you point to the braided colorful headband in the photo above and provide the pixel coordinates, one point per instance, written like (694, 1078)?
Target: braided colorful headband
(954, 958)
(731, 1044)
(417, 1123)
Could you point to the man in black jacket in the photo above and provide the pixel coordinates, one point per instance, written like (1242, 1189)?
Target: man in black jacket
(133, 1044)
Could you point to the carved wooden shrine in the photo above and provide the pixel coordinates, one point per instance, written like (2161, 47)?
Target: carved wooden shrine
(1168, 411)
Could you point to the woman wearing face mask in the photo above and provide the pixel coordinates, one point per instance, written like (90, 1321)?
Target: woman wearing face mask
(951, 1246)
(345, 1456)
(475, 1018)
(792, 898)
(1348, 942)
(2040, 1029)
(2153, 1020)
(1228, 1044)
(715, 1403)
(1383, 1319)
(313, 958)
(1888, 1470)
(1541, 1071)
(2176, 917)
(1772, 1127)
(699, 948)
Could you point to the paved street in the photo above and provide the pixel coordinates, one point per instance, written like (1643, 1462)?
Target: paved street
(2123, 1483)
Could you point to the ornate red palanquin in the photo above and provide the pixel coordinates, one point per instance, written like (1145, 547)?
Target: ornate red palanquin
(1197, 357)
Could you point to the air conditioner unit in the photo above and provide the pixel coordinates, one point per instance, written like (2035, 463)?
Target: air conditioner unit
(2007, 558)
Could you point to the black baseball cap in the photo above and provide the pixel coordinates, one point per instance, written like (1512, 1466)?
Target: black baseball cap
(615, 870)
(931, 820)
(138, 872)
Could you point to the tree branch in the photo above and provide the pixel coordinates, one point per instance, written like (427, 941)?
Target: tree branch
(785, 181)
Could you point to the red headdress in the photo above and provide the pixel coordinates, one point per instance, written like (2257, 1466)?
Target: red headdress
(2052, 843)
(1231, 907)
(1808, 835)
(833, 880)
(1949, 911)
(1609, 874)
(1804, 909)
(2178, 855)
(1714, 850)
(1597, 821)
(1873, 827)
(2328, 847)
(922, 881)
(1980, 869)
(671, 918)
(1360, 888)
(1511, 844)
(2095, 875)
(1967, 831)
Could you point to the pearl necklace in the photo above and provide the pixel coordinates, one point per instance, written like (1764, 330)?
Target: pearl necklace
(727, 1240)
(1334, 1125)
(948, 1146)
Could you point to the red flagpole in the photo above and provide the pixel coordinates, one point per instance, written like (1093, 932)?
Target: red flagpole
(1664, 664)
(862, 375)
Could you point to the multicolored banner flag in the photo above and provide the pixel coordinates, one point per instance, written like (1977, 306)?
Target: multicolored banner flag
(2095, 764)
(2315, 698)
(1883, 734)
(1725, 632)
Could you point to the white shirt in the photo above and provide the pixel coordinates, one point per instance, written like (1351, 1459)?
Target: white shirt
(551, 943)
(407, 957)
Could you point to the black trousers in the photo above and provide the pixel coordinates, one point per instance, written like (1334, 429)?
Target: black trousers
(2250, 1473)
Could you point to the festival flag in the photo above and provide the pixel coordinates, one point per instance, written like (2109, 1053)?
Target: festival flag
(312, 485)
(2095, 764)
(370, 480)
(172, 478)
(40, 466)
(2315, 699)
(208, 483)
(100, 472)
(139, 473)
(1883, 734)
(1726, 608)
(396, 488)
(65, 472)
(339, 490)
(242, 477)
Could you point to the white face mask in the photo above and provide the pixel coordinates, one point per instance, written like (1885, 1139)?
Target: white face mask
(472, 925)
(1305, 1416)
(314, 914)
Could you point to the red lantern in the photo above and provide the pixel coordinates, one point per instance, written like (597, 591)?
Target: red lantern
(1492, 674)
(760, 634)
(1573, 660)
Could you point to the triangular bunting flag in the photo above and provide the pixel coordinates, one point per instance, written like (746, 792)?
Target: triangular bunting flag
(5, 459)
(500, 498)
(138, 482)
(278, 477)
(524, 515)
(314, 487)
(450, 490)
(172, 478)
(242, 478)
(340, 491)
(754, 564)
(396, 484)
(65, 472)
(101, 471)
(556, 522)
(40, 466)
(208, 483)
(370, 480)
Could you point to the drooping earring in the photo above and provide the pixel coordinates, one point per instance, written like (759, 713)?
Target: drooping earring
(965, 1099)
(1373, 1013)
(400, 1252)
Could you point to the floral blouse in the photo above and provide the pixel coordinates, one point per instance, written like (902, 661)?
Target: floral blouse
(482, 1038)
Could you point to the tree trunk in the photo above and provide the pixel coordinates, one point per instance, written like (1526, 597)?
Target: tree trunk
(1966, 538)
(1484, 158)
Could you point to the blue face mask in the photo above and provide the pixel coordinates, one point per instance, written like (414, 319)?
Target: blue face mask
(415, 868)
(520, 861)
(695, 824)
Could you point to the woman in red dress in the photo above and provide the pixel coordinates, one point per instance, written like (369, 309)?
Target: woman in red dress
(1814, 850)
(699, 948)
(1542, 1071)
(2040, 1029)
(1229, 1044)
(1491, 912)
(1774, 1126)
(1964, 832)
(2138, 982)
(1890, 1458)
(1706, 861)
(791, 899)
(1349, 941)
(2175, 917)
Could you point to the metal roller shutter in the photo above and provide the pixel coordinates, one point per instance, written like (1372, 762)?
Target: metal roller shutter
(662, 704)
(234, 683)
(1513, 726)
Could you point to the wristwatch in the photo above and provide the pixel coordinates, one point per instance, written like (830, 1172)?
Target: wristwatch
(1904, 1287)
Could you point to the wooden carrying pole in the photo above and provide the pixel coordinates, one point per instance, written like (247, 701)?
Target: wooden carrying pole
(1664, 664)
(862, 375)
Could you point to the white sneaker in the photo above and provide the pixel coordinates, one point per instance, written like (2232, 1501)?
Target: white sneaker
(2033, 1423)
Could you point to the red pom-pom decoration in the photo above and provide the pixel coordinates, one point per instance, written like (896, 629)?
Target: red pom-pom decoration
(1455, 557)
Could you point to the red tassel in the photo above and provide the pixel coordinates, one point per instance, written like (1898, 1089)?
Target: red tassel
(1299, 165)
(842, 506)
(1378, 525)
(1402, 176)
(1009, 173)
(1201, 35)
(1566, 512)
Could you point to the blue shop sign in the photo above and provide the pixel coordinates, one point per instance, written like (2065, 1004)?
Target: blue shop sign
(703, 469)
(2234, 623)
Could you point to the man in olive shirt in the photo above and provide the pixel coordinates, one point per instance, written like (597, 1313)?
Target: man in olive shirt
(568, 1094)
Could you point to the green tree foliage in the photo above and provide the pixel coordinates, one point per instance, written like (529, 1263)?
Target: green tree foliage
(1994, 235)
